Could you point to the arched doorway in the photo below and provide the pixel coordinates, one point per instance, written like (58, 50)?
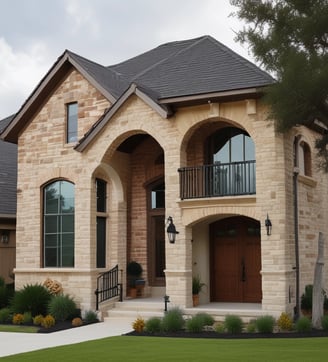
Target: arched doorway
(235, 265)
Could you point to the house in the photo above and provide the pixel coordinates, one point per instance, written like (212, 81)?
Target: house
(8, 184)
(109, 157)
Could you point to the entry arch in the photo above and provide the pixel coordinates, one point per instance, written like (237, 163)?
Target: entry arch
(235, 260)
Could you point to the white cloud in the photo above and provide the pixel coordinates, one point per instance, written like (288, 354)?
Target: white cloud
(18, 74)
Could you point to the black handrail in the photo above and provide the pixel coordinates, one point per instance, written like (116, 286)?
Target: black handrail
(219, 179)
(108, 286)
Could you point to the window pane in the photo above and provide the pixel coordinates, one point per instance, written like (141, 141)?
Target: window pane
(101, 195)
(72, 112)
(237, 148)
(67, 250)
(51, 195)
(158, 197)
(101, 242)
(59, 225)
(50, 224)
(67, 223)
(249, 149)
(223, 154)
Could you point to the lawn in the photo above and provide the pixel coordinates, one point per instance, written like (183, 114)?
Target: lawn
(128, 348)
(18, 329)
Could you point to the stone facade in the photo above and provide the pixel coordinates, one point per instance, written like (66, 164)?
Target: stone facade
(171, 144)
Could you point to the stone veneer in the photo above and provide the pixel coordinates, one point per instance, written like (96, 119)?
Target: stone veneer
(44, 156)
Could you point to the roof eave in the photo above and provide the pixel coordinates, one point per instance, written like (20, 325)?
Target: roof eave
(222, 95)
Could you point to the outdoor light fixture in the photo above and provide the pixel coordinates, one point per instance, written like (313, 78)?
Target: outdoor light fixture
(5, 236)
(171, 230)
(268, 225)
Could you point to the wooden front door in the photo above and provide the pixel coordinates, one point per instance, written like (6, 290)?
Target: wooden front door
(236, 261)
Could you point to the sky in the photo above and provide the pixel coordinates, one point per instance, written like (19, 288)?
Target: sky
(34, 33)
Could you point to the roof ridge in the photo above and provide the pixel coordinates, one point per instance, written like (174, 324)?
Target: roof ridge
(199, 39)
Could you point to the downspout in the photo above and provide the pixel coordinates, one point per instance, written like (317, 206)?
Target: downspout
(297, 257)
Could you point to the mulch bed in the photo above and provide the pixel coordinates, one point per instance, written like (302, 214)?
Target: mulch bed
(213, 334)
(61, 326)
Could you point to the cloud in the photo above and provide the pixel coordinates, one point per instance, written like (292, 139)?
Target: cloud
(18, 72)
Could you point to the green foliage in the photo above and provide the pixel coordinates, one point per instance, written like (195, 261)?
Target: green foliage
(134, 269)
(32, 298)
(303, 324)
(306, 298)
(62, 307)
(195, 324)
(251, 327)
(265, 324)
(197, 284)
(153, 325)
(233, 324)
(219, 328)
(289, 39)
(5, 315)
(173, 320)
(6, 293)
(27, 317)
(90, 316)
(208, 320)
(324, 323)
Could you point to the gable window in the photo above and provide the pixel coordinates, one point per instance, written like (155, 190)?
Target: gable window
(71, 114)
(58, 224)
(101, 187)
(302, 157)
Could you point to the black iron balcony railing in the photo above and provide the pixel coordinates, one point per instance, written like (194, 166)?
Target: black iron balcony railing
(219, 179)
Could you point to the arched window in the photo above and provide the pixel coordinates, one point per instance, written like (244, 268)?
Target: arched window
(302, 158)
(58, 224)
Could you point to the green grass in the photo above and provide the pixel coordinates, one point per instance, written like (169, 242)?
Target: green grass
(18, 329)
(159, 349)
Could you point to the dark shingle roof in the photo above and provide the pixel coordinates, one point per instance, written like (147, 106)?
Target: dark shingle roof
(8, 174)
(192, 67)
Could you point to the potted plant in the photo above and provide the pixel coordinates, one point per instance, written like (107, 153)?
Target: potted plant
(197, 286)
(135, 282)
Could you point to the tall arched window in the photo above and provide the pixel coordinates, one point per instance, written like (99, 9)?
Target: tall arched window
(58, 224)
(302, 157)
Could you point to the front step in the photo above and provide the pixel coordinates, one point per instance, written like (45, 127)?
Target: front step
(147, 308)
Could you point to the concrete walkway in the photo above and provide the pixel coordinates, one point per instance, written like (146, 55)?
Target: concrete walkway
(14, 343)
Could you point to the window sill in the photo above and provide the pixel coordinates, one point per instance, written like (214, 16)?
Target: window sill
(306, 180)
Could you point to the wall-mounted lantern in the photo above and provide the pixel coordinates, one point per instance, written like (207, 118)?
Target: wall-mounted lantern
(268, 225)
(171, 230)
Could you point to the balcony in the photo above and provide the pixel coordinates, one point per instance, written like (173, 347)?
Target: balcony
(220, 179)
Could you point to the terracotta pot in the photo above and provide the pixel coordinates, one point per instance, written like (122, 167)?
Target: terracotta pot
(195, 300)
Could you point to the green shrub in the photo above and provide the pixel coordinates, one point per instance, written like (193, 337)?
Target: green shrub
(195, 324)
(5, 315)
(32, 298)
(219, 328)
(153, 325)
(324, 323)
(306, 298)
(62, 307)
(251, 327)
(265, 324)
(173, 320)
(208, 320)
(27, 318)
(90, 316)
(303, 324)
(6, 293)
(233, 324)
